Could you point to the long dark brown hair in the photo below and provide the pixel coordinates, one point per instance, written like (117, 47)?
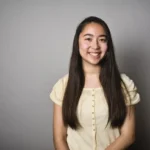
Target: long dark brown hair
(109, 77)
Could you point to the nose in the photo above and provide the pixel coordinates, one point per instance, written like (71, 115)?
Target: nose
(95, 45)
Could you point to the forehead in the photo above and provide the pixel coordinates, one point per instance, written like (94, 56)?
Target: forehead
(94, 29)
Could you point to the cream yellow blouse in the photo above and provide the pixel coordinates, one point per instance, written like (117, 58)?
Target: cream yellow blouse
(92, 113)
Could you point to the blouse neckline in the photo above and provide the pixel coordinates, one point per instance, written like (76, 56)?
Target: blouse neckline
(98, 88)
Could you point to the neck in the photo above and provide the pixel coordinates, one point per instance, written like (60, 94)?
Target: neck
(90, 69)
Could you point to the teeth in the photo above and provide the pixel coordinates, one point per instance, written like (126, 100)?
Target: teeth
(94, 54)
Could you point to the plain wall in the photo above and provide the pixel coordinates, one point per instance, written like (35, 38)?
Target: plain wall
(35, 46)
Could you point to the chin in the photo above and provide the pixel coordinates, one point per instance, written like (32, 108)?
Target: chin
(94, 63)
(91, 61)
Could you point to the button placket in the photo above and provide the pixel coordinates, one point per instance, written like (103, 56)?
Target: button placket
(93, 118)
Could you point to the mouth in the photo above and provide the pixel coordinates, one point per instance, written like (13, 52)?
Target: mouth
(94, 54)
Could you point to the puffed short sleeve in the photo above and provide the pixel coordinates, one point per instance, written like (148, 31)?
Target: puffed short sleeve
(56, 95)
(132, 89)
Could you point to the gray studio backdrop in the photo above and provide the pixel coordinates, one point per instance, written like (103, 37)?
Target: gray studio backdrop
(35, 46)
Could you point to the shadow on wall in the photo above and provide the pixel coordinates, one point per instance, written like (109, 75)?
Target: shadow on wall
(135, 64)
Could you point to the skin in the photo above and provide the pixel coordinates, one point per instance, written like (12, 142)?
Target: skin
(127, 132)
(92, 40)
(59, 130)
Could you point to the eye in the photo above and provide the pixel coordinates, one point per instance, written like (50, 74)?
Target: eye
(88, 39)
(103, 40)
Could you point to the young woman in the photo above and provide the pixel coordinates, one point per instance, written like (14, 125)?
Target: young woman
(93, 104)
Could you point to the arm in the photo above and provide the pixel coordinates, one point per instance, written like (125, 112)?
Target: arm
(127, 132)
(59, 130)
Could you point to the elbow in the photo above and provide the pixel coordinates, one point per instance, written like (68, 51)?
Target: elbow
(59, 142)
(132, 139)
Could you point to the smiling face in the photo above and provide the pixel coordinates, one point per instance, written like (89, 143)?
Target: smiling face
(92, 44)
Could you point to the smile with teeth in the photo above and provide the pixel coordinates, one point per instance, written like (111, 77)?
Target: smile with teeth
(95, 54)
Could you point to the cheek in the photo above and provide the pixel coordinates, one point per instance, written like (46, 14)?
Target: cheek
(105, 47)
(84, 46)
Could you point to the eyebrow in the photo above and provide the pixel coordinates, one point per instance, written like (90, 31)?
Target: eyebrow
(102, 35)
